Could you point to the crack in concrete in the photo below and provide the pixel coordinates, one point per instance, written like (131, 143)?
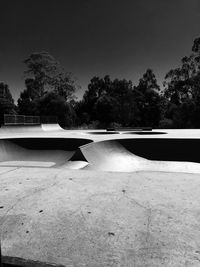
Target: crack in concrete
(133, 199)
(10, 170)
(149, 212)
(27, 196)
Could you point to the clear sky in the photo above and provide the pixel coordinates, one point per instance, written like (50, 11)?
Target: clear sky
(121, 38)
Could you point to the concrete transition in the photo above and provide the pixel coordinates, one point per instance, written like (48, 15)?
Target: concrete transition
(129, 155)
(124, 155)
(51, 127)
(40, 152)
(69, 198)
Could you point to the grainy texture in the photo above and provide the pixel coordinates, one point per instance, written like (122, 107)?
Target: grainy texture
(88, 218)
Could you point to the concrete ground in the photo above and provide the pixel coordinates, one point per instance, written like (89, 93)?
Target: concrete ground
(100, 218)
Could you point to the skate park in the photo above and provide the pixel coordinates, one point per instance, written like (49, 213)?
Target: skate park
(99, 197)
(100, 133)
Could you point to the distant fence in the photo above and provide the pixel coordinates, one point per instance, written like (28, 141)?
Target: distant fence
(28, 120)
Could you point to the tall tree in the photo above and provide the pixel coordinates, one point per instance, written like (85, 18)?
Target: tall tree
(149, 99)
(48, 75)
(64, 85)
(7, 105)
(44, 74)
(42, 67)
(27, 99)
(182, 89)
(125, 106)
(184, 81)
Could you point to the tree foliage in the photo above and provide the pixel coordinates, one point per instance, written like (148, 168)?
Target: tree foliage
(42, 68)
(49, 90)
(52, 104)
(46, 79)
(182, 89)
(118, 101)
(46, 74)
(149, 100)
(7, 105)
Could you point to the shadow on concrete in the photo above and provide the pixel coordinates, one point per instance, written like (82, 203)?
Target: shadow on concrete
(40, 152)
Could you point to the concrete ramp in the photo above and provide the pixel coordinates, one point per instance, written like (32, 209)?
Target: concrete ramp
(119, 155)
(113, 155)
(51, 127)
(40, 152)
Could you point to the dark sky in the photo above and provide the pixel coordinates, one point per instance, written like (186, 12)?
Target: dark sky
(97, 37)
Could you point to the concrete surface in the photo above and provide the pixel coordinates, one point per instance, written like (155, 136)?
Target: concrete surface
(87, 218)
(113, 154)
(98, 216)
(122, 155)
(51, 127)
(39, 152)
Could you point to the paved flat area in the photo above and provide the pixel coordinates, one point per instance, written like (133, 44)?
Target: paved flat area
(87, 218)
(93, 217)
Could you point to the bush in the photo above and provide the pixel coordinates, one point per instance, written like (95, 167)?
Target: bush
(166, 124)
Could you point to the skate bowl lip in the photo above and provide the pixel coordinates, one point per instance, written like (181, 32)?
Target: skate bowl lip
(38, 137)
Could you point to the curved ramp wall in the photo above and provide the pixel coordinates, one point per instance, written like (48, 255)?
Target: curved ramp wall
(128, 155)
(38, 152)
(125, 155)
(51, 127)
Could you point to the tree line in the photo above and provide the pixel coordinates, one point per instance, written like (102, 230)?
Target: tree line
(50, 91)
